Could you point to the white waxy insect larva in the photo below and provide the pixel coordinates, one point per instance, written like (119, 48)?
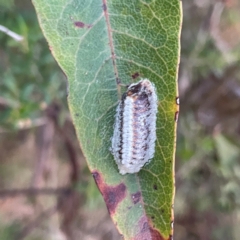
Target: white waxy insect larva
(133, 141)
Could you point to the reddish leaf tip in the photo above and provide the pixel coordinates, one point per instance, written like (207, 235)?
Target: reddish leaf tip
(148, 232)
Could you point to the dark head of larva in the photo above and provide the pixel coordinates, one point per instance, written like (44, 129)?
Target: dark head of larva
(134, 89)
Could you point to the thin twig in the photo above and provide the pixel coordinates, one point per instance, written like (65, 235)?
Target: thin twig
(45, 148)
(25, 124)
(12, 34)
(33, 191)
(73, 159)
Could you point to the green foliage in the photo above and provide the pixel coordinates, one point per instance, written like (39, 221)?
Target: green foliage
(9, 232)
(207, 172)
(30, 77)
(96, 46)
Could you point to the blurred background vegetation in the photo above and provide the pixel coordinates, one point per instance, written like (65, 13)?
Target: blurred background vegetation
(39, 149)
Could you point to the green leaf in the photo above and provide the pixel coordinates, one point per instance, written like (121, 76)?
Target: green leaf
(97, 43)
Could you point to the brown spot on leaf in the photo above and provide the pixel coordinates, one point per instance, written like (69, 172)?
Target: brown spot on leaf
(145, 227)
(176, 116)
(155, 187)
(104, 6)
(136, 197)
(112, 195)
(79, 24)
(156, 234)
(135, 75)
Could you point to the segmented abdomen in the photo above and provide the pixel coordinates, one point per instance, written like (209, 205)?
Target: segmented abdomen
(133, 142)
